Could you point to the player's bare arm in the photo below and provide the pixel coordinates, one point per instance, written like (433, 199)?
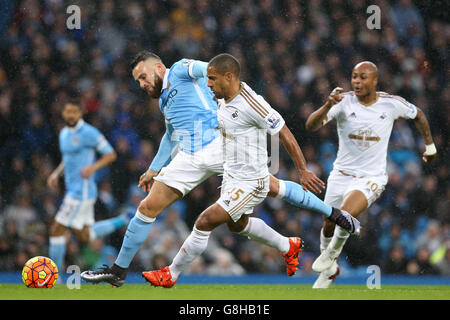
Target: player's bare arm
(104, 161)
(52, 180)
(318, 118)
(423, 126)
(308, 179)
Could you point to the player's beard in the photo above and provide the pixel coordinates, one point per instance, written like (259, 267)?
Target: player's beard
(157, 87)
(71, 122)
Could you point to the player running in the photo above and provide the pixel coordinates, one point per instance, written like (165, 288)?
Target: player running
(364, 120)
(190, 111)
(79, 142)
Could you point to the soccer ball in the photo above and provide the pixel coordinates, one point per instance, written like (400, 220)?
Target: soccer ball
(40, 272)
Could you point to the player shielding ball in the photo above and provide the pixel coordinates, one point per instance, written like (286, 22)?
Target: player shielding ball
(364, 120)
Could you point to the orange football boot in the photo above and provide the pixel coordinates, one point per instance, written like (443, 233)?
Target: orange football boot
(159, 278)
(291, 257)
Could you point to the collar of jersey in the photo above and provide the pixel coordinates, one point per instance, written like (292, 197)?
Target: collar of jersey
(165, 79)
(76, 127)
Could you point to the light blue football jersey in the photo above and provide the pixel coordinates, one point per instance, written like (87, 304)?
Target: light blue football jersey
(189, 105)
(79, 146)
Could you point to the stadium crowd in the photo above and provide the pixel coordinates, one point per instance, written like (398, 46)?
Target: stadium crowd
(292, 52)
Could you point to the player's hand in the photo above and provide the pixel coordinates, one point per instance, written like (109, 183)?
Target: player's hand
(87, 172)
(146, 179)
(310, 182)
(52, 182)
(335, 96)
(430, 153)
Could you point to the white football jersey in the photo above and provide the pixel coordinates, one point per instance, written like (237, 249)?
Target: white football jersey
(364, 131)
(244, 123)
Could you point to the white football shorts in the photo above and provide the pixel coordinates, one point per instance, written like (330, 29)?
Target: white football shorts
(339, 184)
(75, 213)
(239, 197)
(186, 171)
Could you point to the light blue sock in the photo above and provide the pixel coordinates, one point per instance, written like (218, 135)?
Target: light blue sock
(295, 194)
(136, 234)
(105, 227)
(57, 251)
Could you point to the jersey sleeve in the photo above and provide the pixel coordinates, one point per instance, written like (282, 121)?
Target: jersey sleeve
(97, 140)
(166, 146)
(264, 115)
(335, 110)
(403, 108)
(197, 69)
(191, 69)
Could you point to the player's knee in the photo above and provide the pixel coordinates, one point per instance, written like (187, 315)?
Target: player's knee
(148, 209)
(203, 222)
(57, 229)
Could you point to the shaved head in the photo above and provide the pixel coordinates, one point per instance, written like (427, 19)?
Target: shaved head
(368, 66)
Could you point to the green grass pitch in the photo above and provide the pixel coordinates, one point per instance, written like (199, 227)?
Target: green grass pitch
(224, 292)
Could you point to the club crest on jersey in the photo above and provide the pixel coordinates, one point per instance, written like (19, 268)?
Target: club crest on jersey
(274, 121)
(75, 140)
(234, 115)
(364, 138)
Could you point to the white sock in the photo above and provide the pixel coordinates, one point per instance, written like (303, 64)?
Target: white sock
(257, 230)
(340, 236)
(192, 247)
(324, 241)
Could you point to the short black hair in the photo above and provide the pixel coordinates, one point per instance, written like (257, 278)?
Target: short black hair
(142, 56)
(73, 101)
(225, 62)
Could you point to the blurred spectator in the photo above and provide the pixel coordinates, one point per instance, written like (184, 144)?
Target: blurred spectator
(198, 266)
(425, 198)
(396, 237)
(105, 194)
(431, 239)
(21, 212)
(96, 254)
(444, 264)
(423, 260)
(7, 254)
(247, 262)
(396, 262)
(408, 23)
(224, 264)
(73, 255)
